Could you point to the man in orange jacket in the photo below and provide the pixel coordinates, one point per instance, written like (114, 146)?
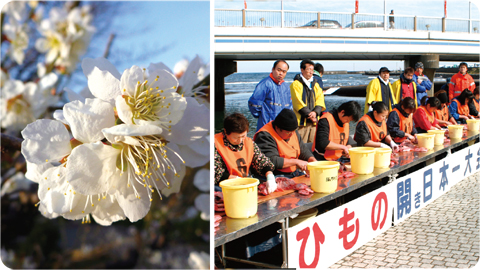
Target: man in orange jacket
(460, 81)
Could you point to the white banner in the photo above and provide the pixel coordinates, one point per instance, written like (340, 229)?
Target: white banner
(326, 239)
(422, 187)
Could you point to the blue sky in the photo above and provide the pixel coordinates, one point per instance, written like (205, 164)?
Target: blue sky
(433, 8)
(153, 31)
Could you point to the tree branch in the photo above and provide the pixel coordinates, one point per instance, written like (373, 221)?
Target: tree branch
(11, 142)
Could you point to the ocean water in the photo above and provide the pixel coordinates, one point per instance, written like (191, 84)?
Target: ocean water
(239, 87)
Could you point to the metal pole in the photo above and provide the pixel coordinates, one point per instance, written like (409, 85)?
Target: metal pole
(385, 26)
(284, 243)
(469, 17)
(282, 15)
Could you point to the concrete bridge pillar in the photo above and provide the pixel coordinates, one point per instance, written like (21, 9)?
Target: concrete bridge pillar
(431, 64)
(223, 68)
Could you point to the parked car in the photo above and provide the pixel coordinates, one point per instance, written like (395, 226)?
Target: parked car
(323, 24)
(366, 24)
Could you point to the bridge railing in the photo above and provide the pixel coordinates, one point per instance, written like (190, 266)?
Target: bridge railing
(336, 20)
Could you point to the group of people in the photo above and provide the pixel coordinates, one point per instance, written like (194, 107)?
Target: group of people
(295, 128)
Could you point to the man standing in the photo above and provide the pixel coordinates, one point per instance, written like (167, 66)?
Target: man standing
(405, 86)
(380, 89)
(307, 100)
(318, 74)
(391, 19)
(460, 82)
(271, 95)
(279, 140)
(421, 80)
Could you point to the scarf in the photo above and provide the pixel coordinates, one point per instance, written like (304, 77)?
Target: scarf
(275, 80)
(307, 82)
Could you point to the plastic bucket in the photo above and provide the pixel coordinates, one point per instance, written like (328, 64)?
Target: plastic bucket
(455, 131)
(362, 159)
(324, 176)
(240, 197)
(382, 157)
(439, 136)
(473, 124)
(303, 216)
(426, 140)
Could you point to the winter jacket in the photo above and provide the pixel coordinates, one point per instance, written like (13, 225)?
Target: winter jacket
(268, 99)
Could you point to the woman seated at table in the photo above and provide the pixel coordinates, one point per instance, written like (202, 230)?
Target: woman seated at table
(371, 130)
(331, 137)
(400, 121)
(442, 115)
(423, 118)
(280, 141)
(473, 105)
(235, 153)
(459, 107)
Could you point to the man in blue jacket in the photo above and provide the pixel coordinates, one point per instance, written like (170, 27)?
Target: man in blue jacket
(271, 95)
(422, 81)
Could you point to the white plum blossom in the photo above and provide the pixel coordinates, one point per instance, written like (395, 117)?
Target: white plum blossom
(202, 202)
(22, 103)
(189, 74)
(16, 10)
(66, 35)
(199, 260)
(107, 156)
(17, 34)
(140, 99)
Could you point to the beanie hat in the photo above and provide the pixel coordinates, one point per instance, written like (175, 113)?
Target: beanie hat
(419, 65)
(286, 120)
(443, 97)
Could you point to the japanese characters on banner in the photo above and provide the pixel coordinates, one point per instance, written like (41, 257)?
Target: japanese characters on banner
(329, 237)
(324, 240)
(416, 190)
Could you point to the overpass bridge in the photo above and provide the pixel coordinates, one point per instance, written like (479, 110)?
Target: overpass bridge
(438, 40)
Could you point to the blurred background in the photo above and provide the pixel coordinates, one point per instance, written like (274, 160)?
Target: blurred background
(175, 233)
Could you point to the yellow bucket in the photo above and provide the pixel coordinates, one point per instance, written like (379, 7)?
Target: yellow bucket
(303, 216)
(473, 124)
(455, 131)
(324, 176)
(426, 140)
(362, 159)
(240, 197)
(382, 157)
(439, 136)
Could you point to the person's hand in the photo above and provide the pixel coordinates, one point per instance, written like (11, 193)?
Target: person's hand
(271, 184)
(233, 176)
(346, 148)
(414, 140)
(302, 165)
(410, 137)
(312, 115)
(382, 145)
(394, 145)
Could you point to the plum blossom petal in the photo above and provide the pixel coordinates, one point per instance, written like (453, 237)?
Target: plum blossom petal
(123, 133)
(45, 141)
(103, 78)
(201, 180)
(134, 200)
(131, 77)
(176, 182)
(108, 211)
(202, 203)
(34, 171)
(193, 125)
(91, 167)
(87, 119)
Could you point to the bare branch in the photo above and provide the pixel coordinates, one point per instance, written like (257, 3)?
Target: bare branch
(109, 44)
(11, 142)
